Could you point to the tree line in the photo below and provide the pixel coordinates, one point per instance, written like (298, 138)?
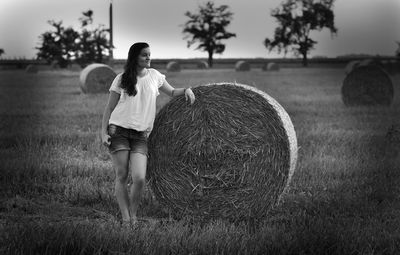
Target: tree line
(206, 29)
(64, 45)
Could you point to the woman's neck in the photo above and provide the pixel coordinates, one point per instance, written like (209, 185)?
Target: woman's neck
(141, 72)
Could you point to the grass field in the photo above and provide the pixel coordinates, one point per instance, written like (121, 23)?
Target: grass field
(56, 180)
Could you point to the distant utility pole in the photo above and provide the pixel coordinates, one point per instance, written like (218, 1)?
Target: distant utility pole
(111, 35)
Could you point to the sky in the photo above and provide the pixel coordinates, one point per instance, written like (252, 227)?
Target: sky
(364, 26)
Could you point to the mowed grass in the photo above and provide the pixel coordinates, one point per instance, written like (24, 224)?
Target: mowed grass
(56, 179)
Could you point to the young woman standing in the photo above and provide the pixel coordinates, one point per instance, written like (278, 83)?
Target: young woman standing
(128, 120)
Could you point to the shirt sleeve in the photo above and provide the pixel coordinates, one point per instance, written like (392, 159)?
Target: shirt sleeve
(160, 78)
(116, 84)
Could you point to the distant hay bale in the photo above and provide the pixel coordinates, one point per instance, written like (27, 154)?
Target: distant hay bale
(242, 66)
(54, 64)
(96, 78)
(351, 65)
(202, 65)
(367, 85)
(31, 69)
(74, 67)
(173, 66)
(369, 62)
(270, 67)
(229, 155)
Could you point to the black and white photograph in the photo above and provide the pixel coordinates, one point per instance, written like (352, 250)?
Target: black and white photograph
(199, 127)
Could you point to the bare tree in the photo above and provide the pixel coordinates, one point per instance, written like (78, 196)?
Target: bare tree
(296, 19)
(207, 28)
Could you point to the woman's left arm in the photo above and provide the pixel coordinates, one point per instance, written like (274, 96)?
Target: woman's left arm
(171, 91)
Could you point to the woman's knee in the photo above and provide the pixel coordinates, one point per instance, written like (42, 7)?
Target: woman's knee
(138, 165)
(121, 174)
(121, 162)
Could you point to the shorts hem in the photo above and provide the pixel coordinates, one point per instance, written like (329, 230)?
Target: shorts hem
(119, 149)
(141, 152)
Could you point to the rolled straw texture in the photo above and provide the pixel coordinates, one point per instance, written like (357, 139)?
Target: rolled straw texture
(242, 66)
(367, 85)
(173, 66)
(96, 78)
(229, 155)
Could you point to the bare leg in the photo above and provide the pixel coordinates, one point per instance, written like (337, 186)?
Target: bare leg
(120, 161)
(138, 165)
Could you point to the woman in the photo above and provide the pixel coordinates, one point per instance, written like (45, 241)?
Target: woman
(128, 120)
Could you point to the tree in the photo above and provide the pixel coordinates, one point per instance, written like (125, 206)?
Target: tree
(1, 52)
(58, 45)
(296, 19)
(65, 45)
(207, 28)
(93, 44)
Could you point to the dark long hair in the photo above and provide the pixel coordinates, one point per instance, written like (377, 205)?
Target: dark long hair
(129, 77)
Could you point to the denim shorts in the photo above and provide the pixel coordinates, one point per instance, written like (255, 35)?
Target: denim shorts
(127, 139)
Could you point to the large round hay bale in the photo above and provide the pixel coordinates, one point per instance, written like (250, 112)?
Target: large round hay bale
(173, 66)
(392, 67)
(31, 69)
(96, 78)
(229, 155)
(202, 65)
(242, 66)
(389, 66)
(270, 67)
(351, 65)
(367, 85)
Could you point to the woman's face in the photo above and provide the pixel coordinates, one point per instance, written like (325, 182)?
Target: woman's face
(144, 58)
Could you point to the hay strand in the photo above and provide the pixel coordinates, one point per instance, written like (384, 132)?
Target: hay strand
(367, 85)
(229, 155)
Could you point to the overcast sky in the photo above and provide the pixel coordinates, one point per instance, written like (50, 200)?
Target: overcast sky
(364, 26)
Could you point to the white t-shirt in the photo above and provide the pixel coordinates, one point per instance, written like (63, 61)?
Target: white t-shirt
(137, 112)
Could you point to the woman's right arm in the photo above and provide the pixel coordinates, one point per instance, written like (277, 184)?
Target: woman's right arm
(112, 102)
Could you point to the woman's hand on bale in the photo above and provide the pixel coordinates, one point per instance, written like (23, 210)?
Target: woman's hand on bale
(106, 139)
(189, 95)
